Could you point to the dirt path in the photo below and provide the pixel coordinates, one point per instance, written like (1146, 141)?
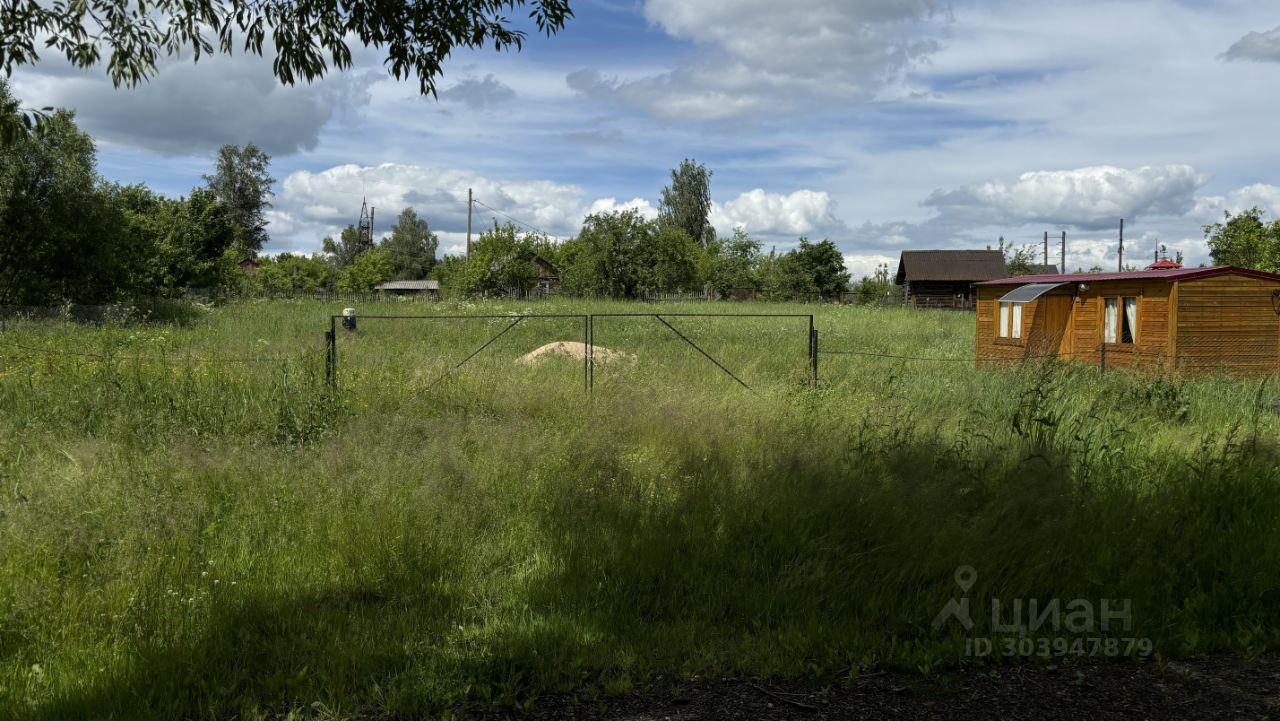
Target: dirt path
(1195, 690)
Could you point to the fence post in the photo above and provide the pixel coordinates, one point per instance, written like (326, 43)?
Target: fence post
(331, 353)
(1102, 359)
(813, 353)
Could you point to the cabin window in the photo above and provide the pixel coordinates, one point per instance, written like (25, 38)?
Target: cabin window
(1120, 320)
(1110, 321)
(1010, 320)
(1129, 324)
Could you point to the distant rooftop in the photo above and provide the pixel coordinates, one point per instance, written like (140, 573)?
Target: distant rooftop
(1171, 274)
(409, 285)
(951, 265)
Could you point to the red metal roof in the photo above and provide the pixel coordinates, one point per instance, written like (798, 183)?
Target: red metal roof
(1171, 275)
(1164, 263)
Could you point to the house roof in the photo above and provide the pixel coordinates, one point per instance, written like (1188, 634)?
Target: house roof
(956, 265)
(409, 285)
(1041, 269)
(1171, 275)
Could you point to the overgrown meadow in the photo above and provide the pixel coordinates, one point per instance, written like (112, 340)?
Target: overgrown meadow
(192, 525)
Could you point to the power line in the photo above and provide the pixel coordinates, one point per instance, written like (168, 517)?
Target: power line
(513, 220)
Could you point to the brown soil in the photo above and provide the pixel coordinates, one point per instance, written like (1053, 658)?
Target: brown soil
(576, 351)
(1196, 690)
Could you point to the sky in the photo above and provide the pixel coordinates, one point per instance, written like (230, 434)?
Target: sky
(881, 125)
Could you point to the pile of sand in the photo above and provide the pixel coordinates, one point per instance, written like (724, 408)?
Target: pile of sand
(576, 351)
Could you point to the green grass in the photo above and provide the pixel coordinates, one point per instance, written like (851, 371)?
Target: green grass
(186, 534)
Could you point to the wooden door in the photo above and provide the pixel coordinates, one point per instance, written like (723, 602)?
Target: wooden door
(1057, 321)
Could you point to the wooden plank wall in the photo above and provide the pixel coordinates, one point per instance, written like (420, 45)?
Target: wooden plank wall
(1083, 338)
(1228, 323)
(993, 350)
(1150, 347)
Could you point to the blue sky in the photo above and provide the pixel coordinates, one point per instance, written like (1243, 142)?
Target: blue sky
(880, 124)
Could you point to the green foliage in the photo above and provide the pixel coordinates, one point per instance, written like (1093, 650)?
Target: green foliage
(306, 35)
(351, 244)
(411, 247)
(879, 288)
(242, 183)
(686, 203)
(367, 270)
(59, 234)
(1245, 241)
(287, 273)
(178, 244)
(1019, 261)
(622, 255)
(449, 271)
(729, 263)
(501, 262)
(809, 271)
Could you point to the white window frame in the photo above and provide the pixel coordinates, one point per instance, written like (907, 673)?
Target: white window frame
(1010, 320)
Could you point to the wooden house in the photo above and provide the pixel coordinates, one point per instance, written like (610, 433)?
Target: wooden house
(1208, 319)
(945, 278)
(249, 266)
(548, 276)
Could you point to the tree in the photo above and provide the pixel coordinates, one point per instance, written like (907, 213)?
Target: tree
(686, 203)
(411, 247)
(367, 270)
(287, 274)
(1245, 240)
(60, 236)
(817, 269)
(501, 261)
(351, 244)
(242, 182)
(306, 35)
(877, 288)
(622, 255)
(1019, 261)
(731, 263)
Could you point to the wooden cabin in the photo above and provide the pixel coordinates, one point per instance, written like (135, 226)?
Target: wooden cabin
(1203, 319)
(945, 278)
(548, 276)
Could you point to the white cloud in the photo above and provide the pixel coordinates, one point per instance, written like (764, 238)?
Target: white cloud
(611, 205)
(1090, 197)
(763, 56)
(861, 266)
(804, 212)
(311, 205)
(192, 108)
(1261, 47)
(323, 202)
(1209, 209)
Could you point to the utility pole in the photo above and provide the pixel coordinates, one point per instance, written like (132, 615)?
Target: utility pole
(1121, 268)
(469, 203)
(371, 209)
(1064, 252)
(1046, 247)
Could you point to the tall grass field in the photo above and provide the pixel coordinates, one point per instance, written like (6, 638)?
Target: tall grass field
(193, 525)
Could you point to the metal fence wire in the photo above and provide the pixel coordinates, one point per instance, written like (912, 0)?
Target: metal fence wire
(588, 339)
